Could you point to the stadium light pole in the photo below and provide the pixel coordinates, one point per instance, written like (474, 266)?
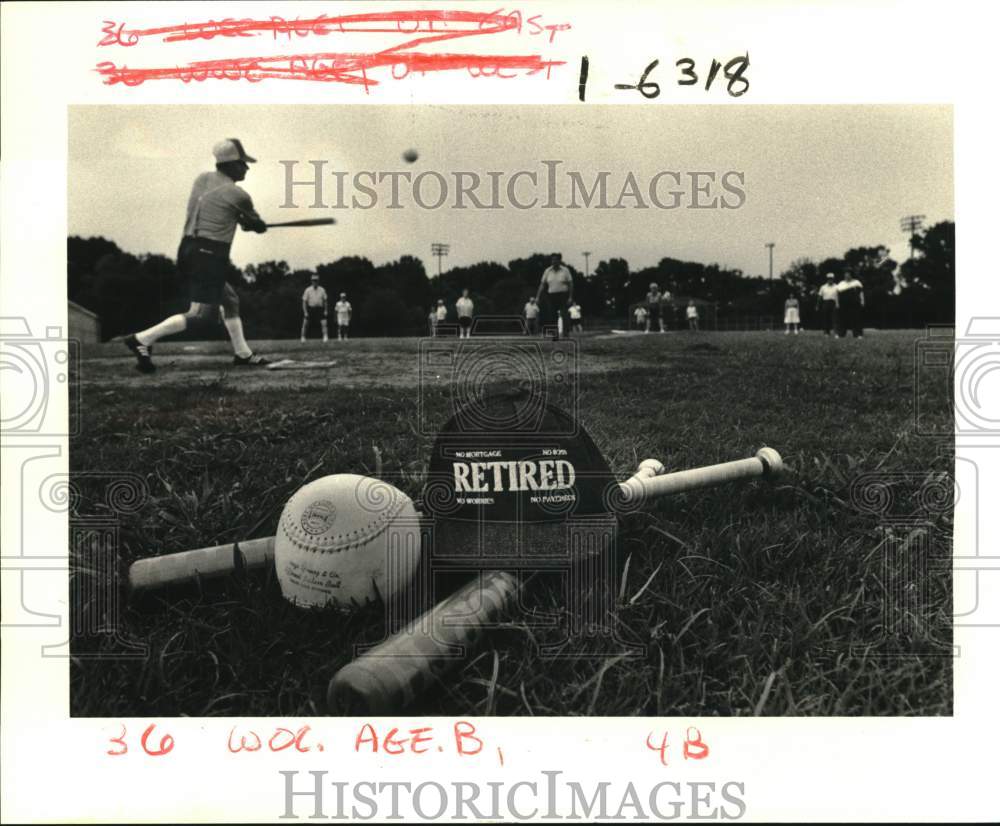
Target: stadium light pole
(440, 250)
(586, 264)
(770, 260)
(912, 224)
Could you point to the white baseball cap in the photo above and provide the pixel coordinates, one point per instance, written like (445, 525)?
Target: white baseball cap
(231, 149)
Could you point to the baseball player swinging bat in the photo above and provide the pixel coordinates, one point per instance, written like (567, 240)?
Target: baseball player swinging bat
(648, 483)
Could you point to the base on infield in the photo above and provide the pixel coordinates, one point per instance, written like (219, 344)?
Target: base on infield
(292, 364)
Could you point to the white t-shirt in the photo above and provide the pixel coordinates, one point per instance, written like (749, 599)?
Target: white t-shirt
(441, 313)
(531, 310)
(557, 279)
(343, 310)
(575, 312)
(640, 314)
(464, 307)
(314, 296)
(828, 291)
(692, 311)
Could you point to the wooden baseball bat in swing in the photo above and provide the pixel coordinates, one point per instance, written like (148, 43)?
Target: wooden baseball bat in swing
(387, 678)
(304, 222)
(648, 483)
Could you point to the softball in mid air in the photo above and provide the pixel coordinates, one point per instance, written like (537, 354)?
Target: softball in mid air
(345, 540)
(410, 155)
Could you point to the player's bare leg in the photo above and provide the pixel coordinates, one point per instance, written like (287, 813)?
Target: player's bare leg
(305, 329)
(322, 324)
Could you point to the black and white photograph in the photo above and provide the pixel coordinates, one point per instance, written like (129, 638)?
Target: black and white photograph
(460, 412)
(502, 411)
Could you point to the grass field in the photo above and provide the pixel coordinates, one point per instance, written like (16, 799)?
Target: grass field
(783, 599)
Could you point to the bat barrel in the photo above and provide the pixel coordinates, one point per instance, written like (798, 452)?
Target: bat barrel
(644, 487)
(304, 222)
(394, 673)
(203, 563)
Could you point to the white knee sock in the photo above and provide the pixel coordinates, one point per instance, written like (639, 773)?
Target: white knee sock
(168, 327)
(234, 327)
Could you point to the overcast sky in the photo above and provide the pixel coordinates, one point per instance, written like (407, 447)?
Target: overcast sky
(817, 179)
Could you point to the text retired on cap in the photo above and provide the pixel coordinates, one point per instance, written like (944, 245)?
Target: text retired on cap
(547, 474)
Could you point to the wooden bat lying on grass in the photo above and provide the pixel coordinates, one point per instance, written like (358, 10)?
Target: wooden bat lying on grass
(386, 679)
(647, 484)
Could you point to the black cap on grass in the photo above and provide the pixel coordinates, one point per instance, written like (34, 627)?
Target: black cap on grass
(516, 482)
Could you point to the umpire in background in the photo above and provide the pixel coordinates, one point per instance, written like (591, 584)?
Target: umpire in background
(557, 288)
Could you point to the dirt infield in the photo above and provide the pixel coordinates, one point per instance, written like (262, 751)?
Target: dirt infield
(368, 362)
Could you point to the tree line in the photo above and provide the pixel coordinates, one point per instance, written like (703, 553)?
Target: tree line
(130, 291)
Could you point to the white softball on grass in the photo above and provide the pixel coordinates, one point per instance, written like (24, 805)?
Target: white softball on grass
(345, 540)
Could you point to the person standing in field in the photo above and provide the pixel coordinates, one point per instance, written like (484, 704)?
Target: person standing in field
(827, 302)
(851, 300)
(792, 315)
(557, 287)
(440, 314)
(531, 310)
(576, 317)
(640, 317)
(463, 309)
(215, 208)
(654, 302)
(344, 312)
(692, 315)
(313, 307)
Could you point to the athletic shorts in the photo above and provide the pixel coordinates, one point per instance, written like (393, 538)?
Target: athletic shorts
(791, 316)
(343, 320)
(465, 321)
(654, 312)
(204, 264)
(314, 314)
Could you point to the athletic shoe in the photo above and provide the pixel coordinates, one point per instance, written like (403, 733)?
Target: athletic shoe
(141, 352)
(303, 340)
(325, 339)
(253, 360)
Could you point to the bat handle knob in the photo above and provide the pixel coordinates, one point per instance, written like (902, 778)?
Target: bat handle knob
(771, 460)
(650, 467)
